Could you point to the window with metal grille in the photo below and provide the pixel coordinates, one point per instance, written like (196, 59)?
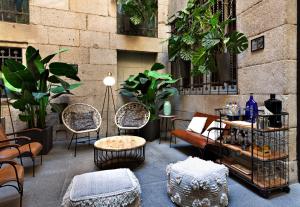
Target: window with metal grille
(9, 53)
(14, 11)
(124, 26)
(209, 83)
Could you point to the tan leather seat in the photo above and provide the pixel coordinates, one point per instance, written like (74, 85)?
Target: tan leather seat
(35, 148)
(8, 174)
(8, 154)
(29, 148)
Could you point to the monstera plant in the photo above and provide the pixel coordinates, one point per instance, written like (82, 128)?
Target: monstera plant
(34, 85)
(139, 11)
(201, 37)
(150, 88)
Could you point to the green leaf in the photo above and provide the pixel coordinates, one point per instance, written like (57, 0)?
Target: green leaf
(214, 21)
(58, 89)
(14, 65)
(237, 43)
(62, 69)
(136, 20)
(12, 78)
(143, 80)
(157, 66)
(74, 86)
(188, 39)
(157, 75)
(39, 65)
(61, 89)
(55, 79)
(37, 95)
(19, 104)
(49, 57)
(211, 39)
(24, 117)
(127, 93)
(185, 54)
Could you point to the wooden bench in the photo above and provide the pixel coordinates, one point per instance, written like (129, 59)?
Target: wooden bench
(197, 140)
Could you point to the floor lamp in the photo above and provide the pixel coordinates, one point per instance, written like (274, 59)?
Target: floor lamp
(108, 81)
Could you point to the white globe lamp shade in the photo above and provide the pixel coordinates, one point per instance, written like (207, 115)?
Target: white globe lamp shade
(109, 80)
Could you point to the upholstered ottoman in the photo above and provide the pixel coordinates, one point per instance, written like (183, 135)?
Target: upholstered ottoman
(109, 188)
(197, 183)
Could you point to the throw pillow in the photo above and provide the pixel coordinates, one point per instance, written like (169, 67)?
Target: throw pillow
(197, 124)
(83, 121)
(133, 118)
(214, 134)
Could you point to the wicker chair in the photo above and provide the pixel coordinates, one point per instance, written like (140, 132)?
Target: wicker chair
(132, 116)
(12, 172)
(81, 118)
(22, 146)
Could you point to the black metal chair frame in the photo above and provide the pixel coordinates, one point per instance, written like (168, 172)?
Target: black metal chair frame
(27, 141)
(19, 186)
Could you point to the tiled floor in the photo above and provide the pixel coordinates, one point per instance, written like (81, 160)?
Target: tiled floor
(53, 177)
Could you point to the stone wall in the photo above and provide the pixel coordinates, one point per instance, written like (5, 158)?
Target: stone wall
(88, 30)
(272, 70)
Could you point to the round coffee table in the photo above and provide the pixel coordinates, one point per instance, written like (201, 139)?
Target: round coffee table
(119, 150)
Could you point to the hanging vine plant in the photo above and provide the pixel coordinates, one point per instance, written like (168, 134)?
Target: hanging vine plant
(199, 35)
(139, 11)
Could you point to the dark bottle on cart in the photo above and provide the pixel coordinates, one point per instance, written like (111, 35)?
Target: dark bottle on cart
(251, 109)
(275, 106)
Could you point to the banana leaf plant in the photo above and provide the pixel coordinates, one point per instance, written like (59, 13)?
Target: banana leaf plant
(199, 35)
(150, 88)
(34, 85)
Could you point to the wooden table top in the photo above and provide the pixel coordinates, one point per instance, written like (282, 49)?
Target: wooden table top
(119, 143)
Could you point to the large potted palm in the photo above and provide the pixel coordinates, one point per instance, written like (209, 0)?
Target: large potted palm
(150, 88)
(33, 86)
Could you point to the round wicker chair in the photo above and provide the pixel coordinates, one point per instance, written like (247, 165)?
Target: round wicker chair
(132, 116)
(81, 118)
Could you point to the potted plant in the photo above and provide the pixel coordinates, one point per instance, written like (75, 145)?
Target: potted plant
(138, 16)
(150, 88)
(33, 86)
(200, 37)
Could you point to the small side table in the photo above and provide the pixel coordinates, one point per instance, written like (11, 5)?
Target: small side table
(166, 119)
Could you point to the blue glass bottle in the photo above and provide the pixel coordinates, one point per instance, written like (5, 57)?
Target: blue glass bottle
(251, 109)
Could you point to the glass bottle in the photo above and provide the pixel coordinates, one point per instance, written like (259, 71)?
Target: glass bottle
(251, 109)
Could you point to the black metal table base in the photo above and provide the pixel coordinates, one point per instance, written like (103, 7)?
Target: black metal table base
(104, 159)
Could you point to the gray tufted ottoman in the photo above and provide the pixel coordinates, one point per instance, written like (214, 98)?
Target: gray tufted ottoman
(109, 188)
(198, 183)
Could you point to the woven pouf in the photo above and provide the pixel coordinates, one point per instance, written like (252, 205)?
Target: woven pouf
(198, 183)
(109, 188)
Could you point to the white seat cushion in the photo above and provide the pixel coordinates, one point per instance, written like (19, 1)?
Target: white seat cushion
(197, 124)
(214, 134)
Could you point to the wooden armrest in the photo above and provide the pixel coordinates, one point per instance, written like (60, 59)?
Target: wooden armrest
(25, 130)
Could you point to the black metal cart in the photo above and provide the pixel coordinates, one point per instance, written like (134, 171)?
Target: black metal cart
(257, 153)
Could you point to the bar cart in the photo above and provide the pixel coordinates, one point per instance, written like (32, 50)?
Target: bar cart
(257, 153)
